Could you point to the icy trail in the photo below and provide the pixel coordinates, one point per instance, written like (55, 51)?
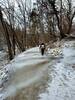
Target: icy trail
(61, 83)
(42, 78)
(25, 69)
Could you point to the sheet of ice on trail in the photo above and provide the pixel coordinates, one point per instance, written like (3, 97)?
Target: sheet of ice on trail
(27, 58)
(22, 71)
(33, 52)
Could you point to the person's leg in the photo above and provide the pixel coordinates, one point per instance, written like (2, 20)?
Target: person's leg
(42, 51)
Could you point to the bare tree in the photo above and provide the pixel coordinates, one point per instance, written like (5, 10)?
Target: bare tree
(53, 5)
(70, 15)
(22, 8)
(6, 36)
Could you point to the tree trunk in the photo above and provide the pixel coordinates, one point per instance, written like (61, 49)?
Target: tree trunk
(6, 36)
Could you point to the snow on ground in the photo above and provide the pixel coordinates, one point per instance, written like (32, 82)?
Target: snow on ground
(29, 67)
(62, 86)
(22, 71)
(3, 58)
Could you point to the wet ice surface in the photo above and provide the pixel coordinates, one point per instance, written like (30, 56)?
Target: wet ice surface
(25, 69)
(42, 78)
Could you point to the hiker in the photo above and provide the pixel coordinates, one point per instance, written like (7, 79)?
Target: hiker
(42, 48)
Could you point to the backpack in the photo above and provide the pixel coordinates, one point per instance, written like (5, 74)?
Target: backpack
(42, 46)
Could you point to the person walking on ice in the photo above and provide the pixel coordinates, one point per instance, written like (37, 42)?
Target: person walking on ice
(42, 48)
